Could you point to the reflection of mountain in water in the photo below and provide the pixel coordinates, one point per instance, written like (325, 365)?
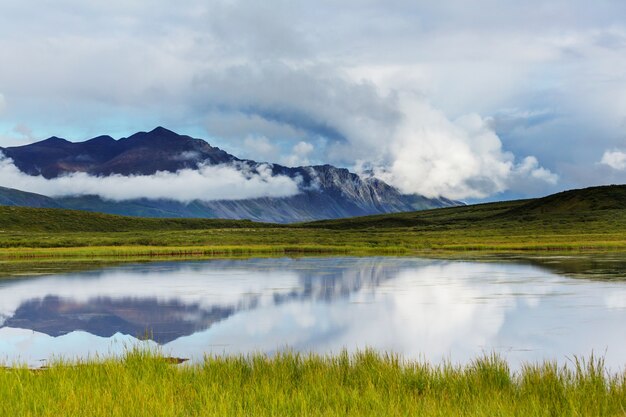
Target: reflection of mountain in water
(164, 321)
(161, 321)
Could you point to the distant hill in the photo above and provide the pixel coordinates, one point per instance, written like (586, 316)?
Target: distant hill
(29, 219)
(571, 203)
(11, 197)
(326, 192)
(608, 197)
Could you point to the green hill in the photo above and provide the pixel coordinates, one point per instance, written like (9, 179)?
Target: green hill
(11, 197)
(609, 197)
(568, 206)
(422, 219)
(581, 220)
(28, 219)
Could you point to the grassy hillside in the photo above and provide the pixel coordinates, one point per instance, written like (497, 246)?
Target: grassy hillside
(573, 206)
(426, 219)
(11, 197)
(28, 219)
(610, 197)
(589, 219)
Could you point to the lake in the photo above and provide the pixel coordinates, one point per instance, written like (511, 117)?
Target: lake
(420, 308)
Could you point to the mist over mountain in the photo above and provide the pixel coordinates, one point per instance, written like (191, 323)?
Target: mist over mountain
(163, 174)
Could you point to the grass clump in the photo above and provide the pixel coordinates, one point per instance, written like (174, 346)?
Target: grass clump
(365, 383)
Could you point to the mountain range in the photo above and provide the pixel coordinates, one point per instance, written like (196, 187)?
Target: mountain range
(325, 191)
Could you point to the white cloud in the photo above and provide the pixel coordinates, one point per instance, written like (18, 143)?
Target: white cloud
(616, 159)
(234, 125)
(530, 167)
(21, 134)
(300, 154)
(217, 182)
(431, 155)
(260, 148)
(412, 145)
(303, 148)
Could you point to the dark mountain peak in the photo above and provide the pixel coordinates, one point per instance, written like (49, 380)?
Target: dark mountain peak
(161, 131)
(159, 137)
(54, 140)
(142, 153)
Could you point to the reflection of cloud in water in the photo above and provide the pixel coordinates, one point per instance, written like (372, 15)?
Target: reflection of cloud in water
(33, 348)
(435, 309)
(420, 308)
(171, 302)
(617, 299)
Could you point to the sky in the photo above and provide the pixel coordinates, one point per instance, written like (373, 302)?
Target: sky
(478, 101)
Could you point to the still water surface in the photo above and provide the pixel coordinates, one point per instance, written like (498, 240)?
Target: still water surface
(423, 309)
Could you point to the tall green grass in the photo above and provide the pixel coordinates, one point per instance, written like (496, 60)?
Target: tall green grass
(364, 384)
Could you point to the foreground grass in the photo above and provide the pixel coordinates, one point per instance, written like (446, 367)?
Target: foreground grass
(367, 383)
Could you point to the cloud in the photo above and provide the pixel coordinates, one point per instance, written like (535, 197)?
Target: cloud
(209, 182)
(300, 154)
(530, 167)
(3, 103)
(306, 101)
(411, 144)
(508, 120)
(236, 125)
(330, 73)
(20, 134)
(431, 155)
(408, 142)
(260, 147)
(616, 159)
(24, 131)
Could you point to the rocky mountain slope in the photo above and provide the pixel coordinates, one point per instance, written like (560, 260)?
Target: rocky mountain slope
(326, 192)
